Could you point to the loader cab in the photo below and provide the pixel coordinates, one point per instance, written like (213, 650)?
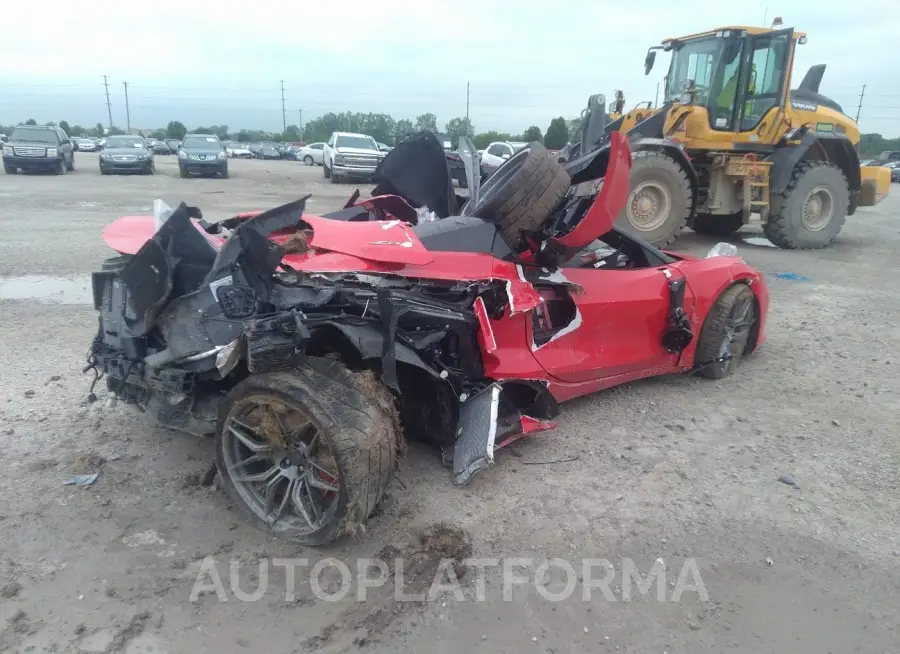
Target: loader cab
(739, 75)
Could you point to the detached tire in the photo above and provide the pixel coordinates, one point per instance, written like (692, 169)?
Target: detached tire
(811, 211)
(660, 199)
(522, 193)
(322, 451)
(725, 336)
(705, 223)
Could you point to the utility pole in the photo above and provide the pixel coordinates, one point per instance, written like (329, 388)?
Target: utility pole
(301, 119)
(467, 102)
(283, 112)
(127, 110)
(108, 105)
(859, 108)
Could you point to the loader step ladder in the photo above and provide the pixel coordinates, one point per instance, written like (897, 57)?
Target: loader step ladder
(755, 176)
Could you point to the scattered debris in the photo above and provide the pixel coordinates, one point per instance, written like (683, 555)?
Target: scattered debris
(81, 480)
(835, 423)
(542, 463)
(770, 562)
(787, 479)
(29, 393)
(792, 277)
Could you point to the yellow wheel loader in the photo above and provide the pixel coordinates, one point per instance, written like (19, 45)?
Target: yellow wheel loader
(732, 138)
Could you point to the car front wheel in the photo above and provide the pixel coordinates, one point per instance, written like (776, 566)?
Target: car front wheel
(727, 332)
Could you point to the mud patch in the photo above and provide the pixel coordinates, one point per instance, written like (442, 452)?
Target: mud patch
(436, 557)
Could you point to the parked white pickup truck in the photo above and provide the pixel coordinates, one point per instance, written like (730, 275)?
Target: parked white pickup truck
(350, 155)
(498, 152)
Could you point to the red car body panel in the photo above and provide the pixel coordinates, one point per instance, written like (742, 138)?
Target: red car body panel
(620, 314)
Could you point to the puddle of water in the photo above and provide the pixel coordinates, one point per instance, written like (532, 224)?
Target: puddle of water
(48, 289)
(760, 241)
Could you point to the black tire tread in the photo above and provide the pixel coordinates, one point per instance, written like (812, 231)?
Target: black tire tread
(710, 333)
(777, 229)
(656, 159)
(525, 201)
(359, 421)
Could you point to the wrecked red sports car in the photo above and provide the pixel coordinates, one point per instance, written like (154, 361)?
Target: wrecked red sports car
(310, 347)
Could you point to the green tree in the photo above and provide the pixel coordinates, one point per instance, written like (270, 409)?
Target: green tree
(243, 136)
(115, 131)
(459, 127)
(557, 134)
(292, 133)
(532, 134)
(77, 130)
(50, 124)
(98, 129)
(158, 134)
(426, 123)
(403, 128)
(176, 130)
(64, 126)
(31, 121)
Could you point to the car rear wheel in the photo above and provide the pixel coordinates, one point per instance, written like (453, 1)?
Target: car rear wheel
(522, 194)
(308, 453)
(726, 333)
(308, 160)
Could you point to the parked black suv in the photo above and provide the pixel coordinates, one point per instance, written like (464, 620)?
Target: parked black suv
(33, 148)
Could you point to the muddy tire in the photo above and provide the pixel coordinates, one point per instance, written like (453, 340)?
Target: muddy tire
(810, 212)
(331, 458)
(705, 223)
(61, 167)
(522, 193)
(726, 333)
(659, 203)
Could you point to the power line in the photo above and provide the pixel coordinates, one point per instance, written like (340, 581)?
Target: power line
(861, 96)
(283, 112)
(127, 110)
(108, 104)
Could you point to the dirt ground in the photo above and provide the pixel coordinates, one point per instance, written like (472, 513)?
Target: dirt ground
(676, 469)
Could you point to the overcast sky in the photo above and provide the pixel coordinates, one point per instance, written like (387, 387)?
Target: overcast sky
(206, 62)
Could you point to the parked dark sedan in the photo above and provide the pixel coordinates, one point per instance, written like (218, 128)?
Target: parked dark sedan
(126, 154)
(202, 154)
(267, 151)
(161, 147)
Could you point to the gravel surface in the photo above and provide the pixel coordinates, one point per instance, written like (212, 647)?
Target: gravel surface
(780, 483)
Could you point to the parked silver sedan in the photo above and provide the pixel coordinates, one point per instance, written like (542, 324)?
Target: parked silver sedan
(311, 154)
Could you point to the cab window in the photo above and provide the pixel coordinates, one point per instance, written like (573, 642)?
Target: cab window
(765, 82)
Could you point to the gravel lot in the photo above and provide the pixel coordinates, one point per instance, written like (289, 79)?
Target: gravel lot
(677, 468)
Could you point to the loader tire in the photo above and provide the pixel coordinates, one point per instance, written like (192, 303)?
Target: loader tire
(522, 193)
(704, 223)
(659, 204)
(810, 212)
(344, 422)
